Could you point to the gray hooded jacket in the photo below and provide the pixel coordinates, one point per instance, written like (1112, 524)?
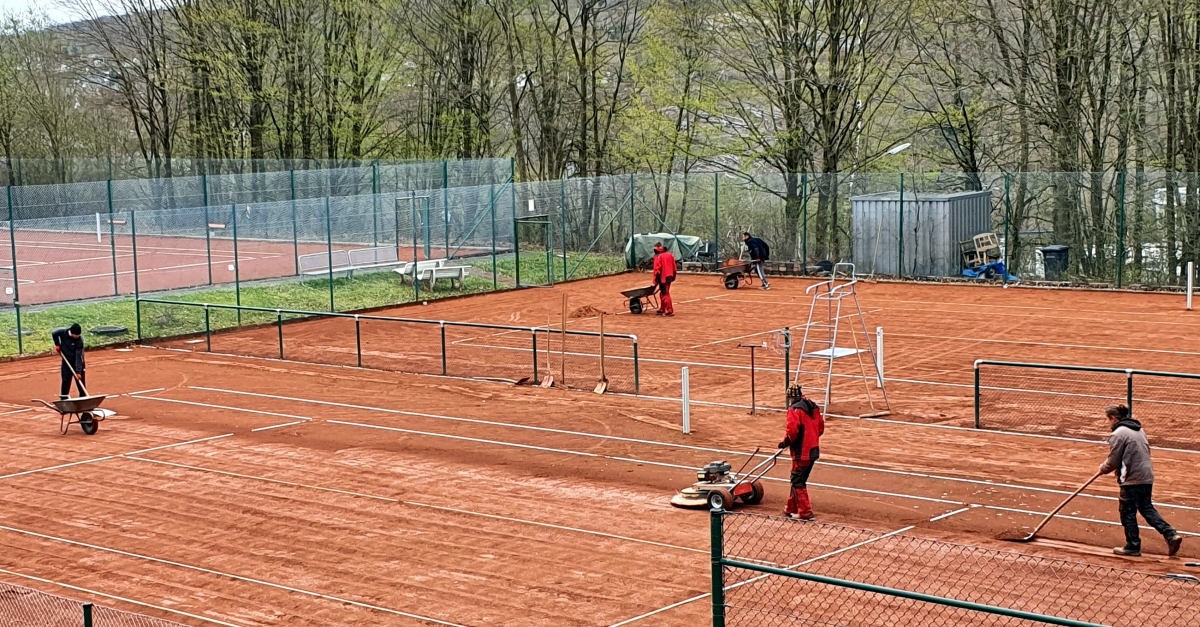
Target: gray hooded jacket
(1129, 454)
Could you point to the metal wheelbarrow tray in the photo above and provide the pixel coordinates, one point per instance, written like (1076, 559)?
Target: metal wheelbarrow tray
(78, 411)
(735, 273)
(634, 298)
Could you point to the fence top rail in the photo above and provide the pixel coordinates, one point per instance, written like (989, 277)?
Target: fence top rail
(1022, 364)
(336, 314)
(917, 596)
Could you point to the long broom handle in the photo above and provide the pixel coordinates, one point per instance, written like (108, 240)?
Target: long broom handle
(1064, 503)
(602, 373)
(72, 369)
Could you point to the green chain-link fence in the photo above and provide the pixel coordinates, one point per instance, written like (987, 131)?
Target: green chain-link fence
(21, 606)
(1069, 401)
(777, 571)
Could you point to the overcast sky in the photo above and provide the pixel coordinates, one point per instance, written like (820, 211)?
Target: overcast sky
(49, 7)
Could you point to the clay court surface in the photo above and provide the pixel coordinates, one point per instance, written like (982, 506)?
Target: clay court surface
(260, 492)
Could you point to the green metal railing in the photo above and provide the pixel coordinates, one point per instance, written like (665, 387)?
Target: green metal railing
(1068, 400)
(582, 366)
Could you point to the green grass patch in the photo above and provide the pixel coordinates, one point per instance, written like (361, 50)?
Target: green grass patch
(362, 291)
(533, 266)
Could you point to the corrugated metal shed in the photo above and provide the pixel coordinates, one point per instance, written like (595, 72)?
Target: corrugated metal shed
(934, 224)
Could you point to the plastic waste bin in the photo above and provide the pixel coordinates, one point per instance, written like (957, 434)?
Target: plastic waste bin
(1054, 262)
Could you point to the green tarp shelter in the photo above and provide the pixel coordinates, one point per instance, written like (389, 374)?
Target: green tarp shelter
(682, 246)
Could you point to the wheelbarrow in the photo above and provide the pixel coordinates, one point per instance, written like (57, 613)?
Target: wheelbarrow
(634, 298)
(735, 273)
(78, 411)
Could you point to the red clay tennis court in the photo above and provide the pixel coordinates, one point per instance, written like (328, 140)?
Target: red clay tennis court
(252, 491)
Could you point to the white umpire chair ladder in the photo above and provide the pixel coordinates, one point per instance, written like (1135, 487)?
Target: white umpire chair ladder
(835, 331)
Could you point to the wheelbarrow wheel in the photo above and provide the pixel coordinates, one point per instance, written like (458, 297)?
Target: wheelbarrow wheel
(732, 280)
(635, 306)
(88, 423)
(720, 498)
(755, 496)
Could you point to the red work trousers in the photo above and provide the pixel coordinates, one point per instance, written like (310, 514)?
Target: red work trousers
(664, 299)
(797, 502)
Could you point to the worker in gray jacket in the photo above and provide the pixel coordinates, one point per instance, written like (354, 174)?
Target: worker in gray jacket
(1129, 457)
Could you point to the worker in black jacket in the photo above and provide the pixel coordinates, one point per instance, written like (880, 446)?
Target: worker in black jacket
(759, 252)
(68, 342)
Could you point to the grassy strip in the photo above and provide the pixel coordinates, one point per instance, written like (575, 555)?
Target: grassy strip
(361, 291)
(533, 266)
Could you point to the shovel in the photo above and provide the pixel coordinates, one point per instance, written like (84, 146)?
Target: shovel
(602, 384)
(1029, 538)
(74, 374)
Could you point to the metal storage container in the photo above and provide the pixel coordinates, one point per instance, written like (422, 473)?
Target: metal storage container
(933, 226)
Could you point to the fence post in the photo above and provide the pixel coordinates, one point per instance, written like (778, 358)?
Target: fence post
(12, 247)
(629, 260)
(375, 203)
(279, 326)
(717, 553)
(1007, 235)
(635, 367)
(87, 615)
(295, 245)
(133, 249)
(112, 245)
(977, 393)
(207, 330)
(329, 251)
(1191, 274)
(1120, 226)
(716, 220)
(685, 400)
(442, 332)
(357, 341)
(562, 220)
(900, 232)
(237, 267)
(1129, 390)
(446, 207)
(207, 245)
(492, 211)
(804, 222)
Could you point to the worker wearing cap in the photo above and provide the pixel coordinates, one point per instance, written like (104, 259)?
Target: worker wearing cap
(68, 342)
(664, 275)
(759, 252)
(805, 426)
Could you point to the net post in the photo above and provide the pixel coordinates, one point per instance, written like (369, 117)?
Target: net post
(686, 405)
(237, 270)
(716, 533)
(207, 330)
(357, 340)
(533, 335)
(1191, 278)
(977, 392)
(87, 615)
(1129, 390)
(442, 333)
(879, 354)
(279, 326)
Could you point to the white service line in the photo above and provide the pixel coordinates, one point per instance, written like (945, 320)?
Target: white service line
(122, 599)
(266, 479)
(159, 448)
(1079, 518)
(16, 411)
(705, 449)
(210, 571)
(67, 465)
(759, 577)
(286, 424)
(142, 392)
(627, 459)
(950, 513)
(210, 405)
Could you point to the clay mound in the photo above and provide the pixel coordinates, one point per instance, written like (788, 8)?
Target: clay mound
(587, 311)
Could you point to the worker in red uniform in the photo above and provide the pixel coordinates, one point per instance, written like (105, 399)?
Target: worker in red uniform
(664, 275)
(805, 426)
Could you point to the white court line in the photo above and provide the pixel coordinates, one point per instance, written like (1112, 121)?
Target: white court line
(210, 571)
(142, 392)
(122, 599)
(251, 411)
(16, 411)
(626, 459)
(949, 514)
(416, 504)
(980, 482)
(759, 577)
(286, 424)
(67, 465)
(1079, 518)
(976, 340)
(159, 448)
